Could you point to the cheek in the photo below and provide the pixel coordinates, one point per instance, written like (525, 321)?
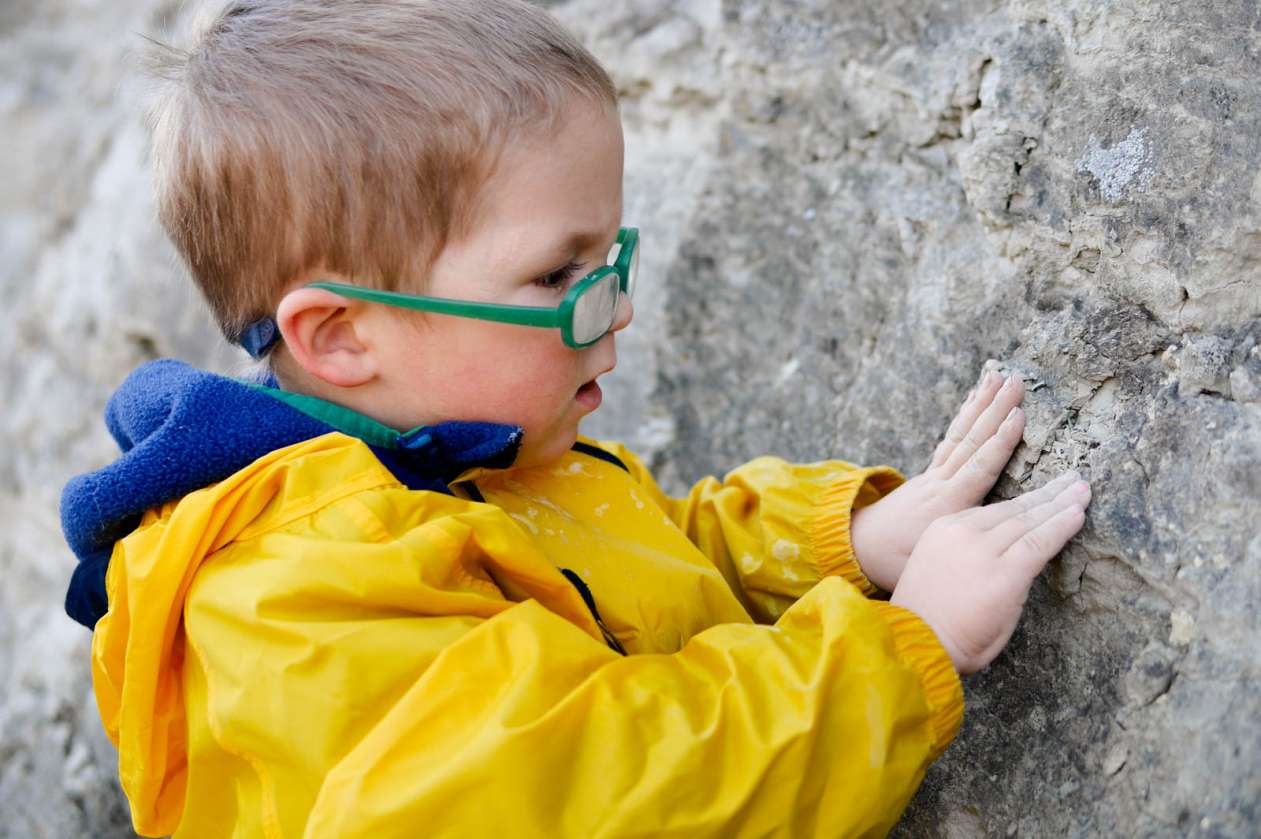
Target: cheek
(516, 373)
(541, 368)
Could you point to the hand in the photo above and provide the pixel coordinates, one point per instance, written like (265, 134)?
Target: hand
(964, 467)
(970, 573)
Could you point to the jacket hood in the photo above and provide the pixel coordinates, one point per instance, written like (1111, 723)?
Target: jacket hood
(181, 429)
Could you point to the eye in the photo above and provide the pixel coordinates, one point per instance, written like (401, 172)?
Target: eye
(560, 277)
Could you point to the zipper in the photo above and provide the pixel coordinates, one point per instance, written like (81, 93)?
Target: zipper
(589, 599)
(471, 490)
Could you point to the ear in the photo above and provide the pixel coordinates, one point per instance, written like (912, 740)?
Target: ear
(322, 332)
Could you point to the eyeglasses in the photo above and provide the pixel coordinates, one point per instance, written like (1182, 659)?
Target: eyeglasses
(583, 317)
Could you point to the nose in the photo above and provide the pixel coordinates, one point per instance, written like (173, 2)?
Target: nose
(625, 311)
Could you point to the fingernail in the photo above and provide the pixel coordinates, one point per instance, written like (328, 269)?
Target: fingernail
(1012, 415)
(1010, 383)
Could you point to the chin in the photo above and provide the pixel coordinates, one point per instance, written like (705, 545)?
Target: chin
(552, 450)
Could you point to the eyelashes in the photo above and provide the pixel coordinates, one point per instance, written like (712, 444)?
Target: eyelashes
(560, 277)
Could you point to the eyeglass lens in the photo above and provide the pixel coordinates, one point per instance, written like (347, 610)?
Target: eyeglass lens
(595, 310)
(632, 273)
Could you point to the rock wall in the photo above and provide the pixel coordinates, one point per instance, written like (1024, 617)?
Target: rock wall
(847, 208)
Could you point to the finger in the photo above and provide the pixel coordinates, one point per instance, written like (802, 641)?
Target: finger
(986, 518)
(1007, 397)
(1007, 533)
(1035, 549)
(978, 400)
(981, 470)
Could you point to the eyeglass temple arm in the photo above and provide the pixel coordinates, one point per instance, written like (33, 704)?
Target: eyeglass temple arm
(519, 315)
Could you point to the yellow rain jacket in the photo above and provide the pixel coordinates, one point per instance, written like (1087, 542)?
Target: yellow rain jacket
(309, 648)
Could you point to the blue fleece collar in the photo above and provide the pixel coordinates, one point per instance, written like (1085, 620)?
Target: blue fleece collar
(181, 429)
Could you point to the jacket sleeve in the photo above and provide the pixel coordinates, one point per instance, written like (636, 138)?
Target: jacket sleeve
(388, 697)
(773, 528)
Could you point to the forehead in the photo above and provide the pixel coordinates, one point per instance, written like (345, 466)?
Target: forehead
(553, 191)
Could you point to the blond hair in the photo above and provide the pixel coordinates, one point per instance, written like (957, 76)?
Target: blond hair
(349, 136)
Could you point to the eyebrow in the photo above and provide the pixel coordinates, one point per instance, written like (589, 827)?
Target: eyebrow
(573, 241)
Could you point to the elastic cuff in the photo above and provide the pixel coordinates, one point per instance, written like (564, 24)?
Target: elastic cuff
(918, 646)
(829, 531)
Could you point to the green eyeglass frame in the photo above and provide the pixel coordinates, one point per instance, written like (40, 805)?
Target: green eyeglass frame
(624, 266)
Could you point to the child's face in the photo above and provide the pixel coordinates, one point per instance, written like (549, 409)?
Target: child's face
(552, 204)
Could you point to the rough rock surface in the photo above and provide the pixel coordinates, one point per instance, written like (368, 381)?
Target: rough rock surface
(848, 208)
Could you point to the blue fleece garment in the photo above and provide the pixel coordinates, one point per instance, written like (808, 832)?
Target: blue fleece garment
(181, 429)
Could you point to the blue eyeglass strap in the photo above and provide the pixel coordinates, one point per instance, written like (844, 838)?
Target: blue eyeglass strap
(259, 337)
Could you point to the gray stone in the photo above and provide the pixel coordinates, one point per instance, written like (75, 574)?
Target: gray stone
(1150, 674)
(1204, 366)
(1004, 181)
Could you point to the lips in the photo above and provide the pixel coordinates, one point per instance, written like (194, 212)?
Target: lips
(589, 395)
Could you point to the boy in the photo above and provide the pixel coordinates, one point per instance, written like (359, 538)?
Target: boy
(390, 592)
